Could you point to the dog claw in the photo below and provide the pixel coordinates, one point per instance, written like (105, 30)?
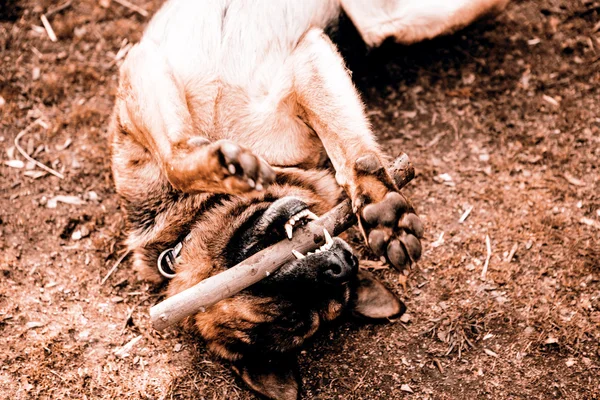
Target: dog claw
(298, 255)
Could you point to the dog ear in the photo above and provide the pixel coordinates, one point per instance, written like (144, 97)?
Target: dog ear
(373, 300)
(276, 379)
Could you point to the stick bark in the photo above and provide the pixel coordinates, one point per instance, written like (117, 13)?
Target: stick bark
(262, 264)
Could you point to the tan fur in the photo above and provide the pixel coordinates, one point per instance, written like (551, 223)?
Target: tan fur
(258, 76)
(411, 21)
(279, 80)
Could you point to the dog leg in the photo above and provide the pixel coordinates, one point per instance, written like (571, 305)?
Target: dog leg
(152, 109)
(332, 108)
(410, 21)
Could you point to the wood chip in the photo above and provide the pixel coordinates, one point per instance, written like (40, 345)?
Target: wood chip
(373, 265)
(73, 200)
(465, 215)
(41, 123)
(57, 9)
(438, 365)
(488, 246)
(35, 174)
(125, 351)
(15, 164)
(590, 222)
(439, 241)
(570, 362)
(48, 28)
(405, 388)
(133, 7)
(63, 146)
(34, 324)
(405, 318)
(551, 100)
(551, 340)
(512, 253)
(490, 353)
(572, 180)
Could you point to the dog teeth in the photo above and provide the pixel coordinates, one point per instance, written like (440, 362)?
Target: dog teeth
(289, 226)
(298, 255)
(328, 238)
(231, 169)
(289, 230)
(311, 215)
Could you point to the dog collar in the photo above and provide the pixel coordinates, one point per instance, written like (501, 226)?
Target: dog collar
(168, 259)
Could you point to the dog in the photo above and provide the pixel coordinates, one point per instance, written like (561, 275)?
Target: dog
(235, 122)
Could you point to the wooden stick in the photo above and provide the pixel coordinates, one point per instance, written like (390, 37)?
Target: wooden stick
(264, 263)
(133, 7)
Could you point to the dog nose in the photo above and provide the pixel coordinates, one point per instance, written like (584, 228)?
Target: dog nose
(339, 266)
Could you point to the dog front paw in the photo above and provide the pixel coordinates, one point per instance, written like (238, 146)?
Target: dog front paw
(219, 167)
(243, 171)
(387, 220)
(393, 230)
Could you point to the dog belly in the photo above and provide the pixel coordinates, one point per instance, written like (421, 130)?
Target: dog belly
(266, 123)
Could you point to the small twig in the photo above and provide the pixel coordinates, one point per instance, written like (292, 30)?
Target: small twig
(488, 245)
(48, 28)
(438, 364)
(465, 215)
(512, 253)
(114, 267)
(29, 158)
(59, 8)
(53, 372)
(133, 7)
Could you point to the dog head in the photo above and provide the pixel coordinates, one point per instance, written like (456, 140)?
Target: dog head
(259, 328)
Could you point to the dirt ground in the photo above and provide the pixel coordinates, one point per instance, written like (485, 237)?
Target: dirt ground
(501, 119)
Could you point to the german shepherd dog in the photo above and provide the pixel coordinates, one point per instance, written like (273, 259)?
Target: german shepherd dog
(236, 121)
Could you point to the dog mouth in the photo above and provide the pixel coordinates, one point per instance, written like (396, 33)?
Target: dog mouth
(325, 247)
(300, 219)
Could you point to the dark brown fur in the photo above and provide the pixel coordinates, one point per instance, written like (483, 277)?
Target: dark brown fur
(258, 321)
